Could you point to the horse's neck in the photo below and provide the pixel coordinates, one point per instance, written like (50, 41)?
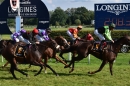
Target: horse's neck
(117, 46)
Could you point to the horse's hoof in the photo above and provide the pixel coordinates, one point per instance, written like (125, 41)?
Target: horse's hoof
(35, 74)
(26, 75)
(16, 78)
(90, 73)
(65, 66)
(45, 71)
(57, 75)
(71, 71)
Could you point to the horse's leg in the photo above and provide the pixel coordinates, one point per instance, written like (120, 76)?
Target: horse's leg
(51, 69)
(29, 66)
(64, 51)
(58, 59)
(100, 68)
(78, 58)
(71, 62)
(5, 64)
(45, 62)
(111, 65)
(38, 64)
(12, 71)
(14, 67)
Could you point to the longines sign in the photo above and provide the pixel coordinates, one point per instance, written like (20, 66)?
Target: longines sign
(117, 9)
(118, 13)
(27, 9)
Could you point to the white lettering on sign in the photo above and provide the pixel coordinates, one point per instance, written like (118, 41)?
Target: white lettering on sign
(2, 22)
(28, 9)
(43, 22)
(25, 2)
(116, 9)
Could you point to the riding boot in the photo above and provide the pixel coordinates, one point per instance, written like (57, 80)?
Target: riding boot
(100, 46)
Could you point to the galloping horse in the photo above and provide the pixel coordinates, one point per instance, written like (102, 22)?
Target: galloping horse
(62, 42)
(109, 54)
(33, 55)
(55, 47)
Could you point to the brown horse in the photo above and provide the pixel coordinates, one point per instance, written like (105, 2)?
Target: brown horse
(62, 42)
(55, 47)
(109, 54)
(33, 55)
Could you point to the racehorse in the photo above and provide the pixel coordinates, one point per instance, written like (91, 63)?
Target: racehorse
(109, 54)
(33, 55)
(62, 42)
(55, 47)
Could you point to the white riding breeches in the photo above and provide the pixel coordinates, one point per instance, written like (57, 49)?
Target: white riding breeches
(23, 40)
(100, 36)
(39, 38)
(70, 35)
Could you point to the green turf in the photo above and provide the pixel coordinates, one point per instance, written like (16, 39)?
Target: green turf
(78, 77)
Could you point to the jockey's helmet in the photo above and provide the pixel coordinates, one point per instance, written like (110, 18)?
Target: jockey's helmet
(35, 31)
(112, 25)
(79, 27)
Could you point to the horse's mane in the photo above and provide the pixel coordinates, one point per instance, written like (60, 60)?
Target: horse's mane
(120, 39)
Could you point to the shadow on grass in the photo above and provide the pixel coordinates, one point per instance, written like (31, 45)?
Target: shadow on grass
(69, 74)
(7, 78)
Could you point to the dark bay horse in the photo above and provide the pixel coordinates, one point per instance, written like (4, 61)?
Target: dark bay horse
(109, 54)
(33, 55)
(63, 42)
(55, 47)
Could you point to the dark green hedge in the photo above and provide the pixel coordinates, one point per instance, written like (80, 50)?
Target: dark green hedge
(115, 34)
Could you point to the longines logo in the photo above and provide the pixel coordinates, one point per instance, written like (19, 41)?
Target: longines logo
(14, 4)
(25, 2)
(2, 22)
(116, 9)
(43, 22)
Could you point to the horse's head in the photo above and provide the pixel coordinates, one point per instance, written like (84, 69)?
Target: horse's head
(3, 44)
(62, 41)
(53, 44)
(126, 40)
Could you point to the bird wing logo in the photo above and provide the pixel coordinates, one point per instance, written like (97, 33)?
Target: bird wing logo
(14, 4)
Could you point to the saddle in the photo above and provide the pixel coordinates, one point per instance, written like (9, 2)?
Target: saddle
(20, 50)
(96, 45)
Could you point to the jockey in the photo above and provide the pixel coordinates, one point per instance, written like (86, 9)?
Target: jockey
(105, 30)
(43, 35)
(73, 33)
(17, 36)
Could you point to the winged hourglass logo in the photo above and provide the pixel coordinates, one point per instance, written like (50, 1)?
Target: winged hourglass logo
(14, 4)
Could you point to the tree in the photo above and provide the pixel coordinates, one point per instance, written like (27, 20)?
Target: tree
(77, 22)
(1, 1)
(59, 16)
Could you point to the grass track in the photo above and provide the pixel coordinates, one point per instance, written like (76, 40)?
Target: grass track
(79, 77)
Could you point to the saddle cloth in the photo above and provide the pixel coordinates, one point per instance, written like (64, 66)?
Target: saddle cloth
(20, 50)
(97, 44)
